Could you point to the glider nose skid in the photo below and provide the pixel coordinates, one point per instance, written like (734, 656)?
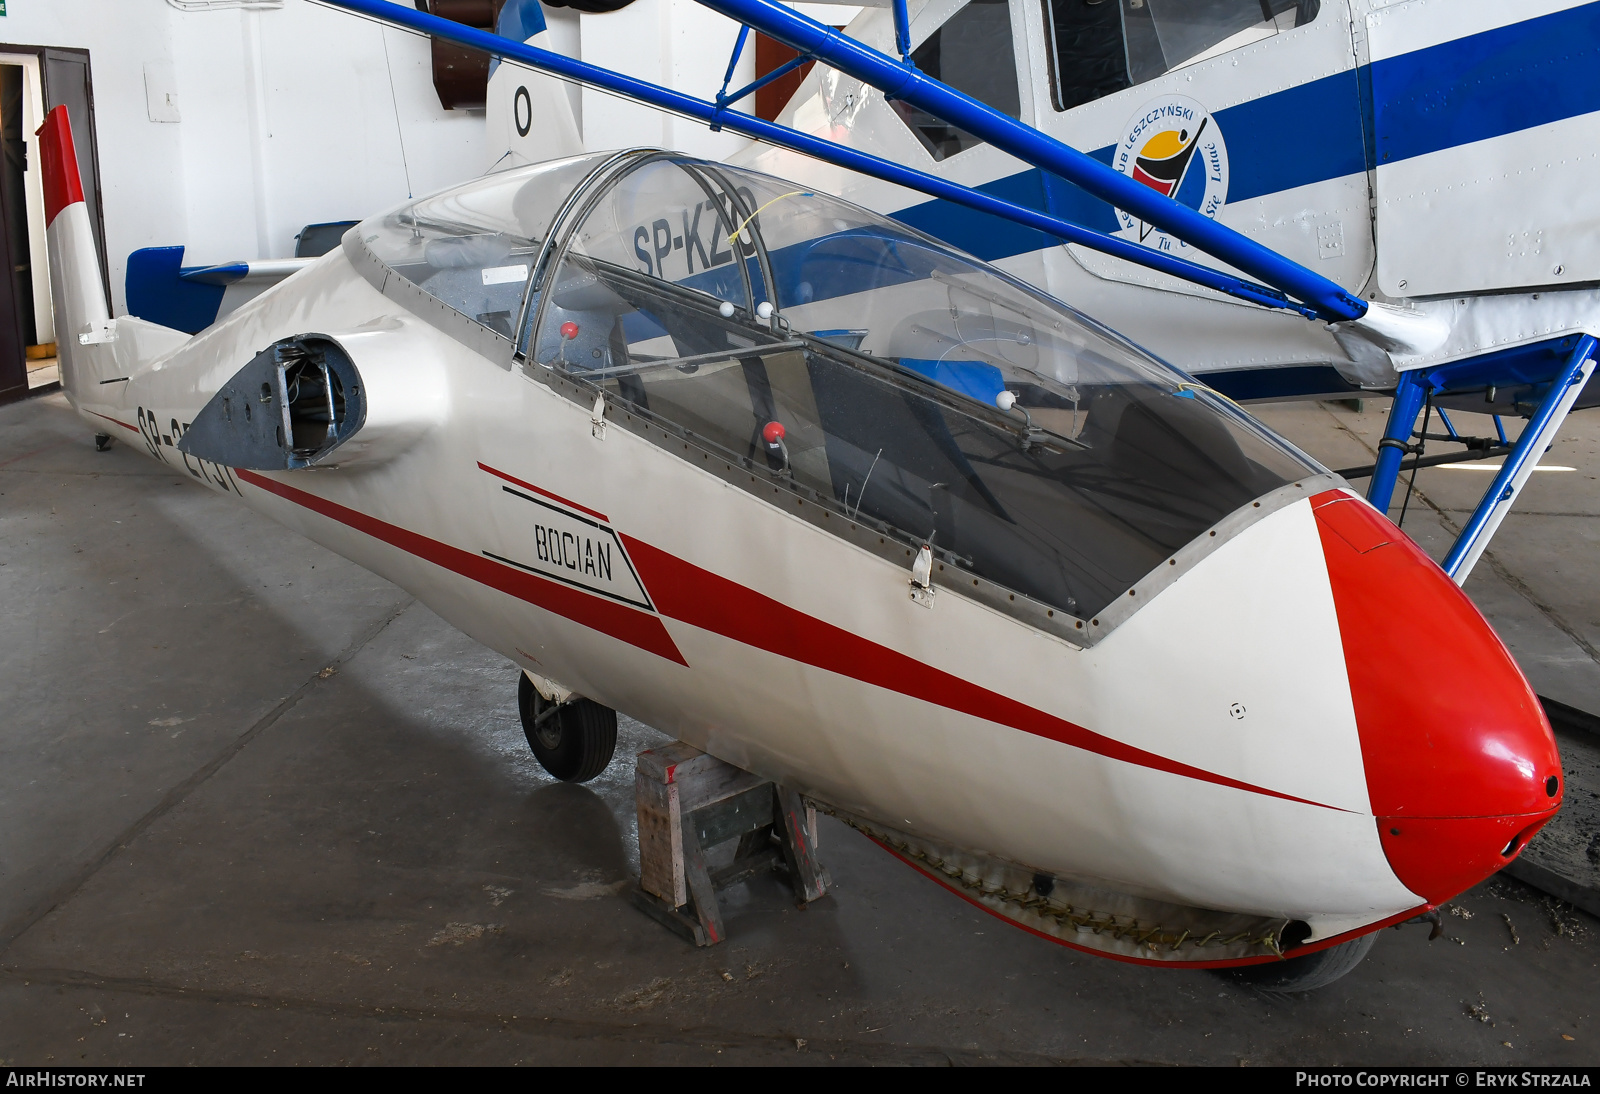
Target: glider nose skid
(1461, 765)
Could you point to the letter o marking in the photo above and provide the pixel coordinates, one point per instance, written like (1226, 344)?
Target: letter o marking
(521, 103)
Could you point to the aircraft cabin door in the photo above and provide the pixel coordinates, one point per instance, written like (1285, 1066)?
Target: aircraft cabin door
(1246, 110)
(1481, 128)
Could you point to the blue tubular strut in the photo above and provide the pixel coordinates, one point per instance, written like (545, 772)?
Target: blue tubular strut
(1530, 446)
(756, 85)
(1409, 395)
(840, 155)
(733, 63)
(1450, 427)
(905, 82)
(902, 32)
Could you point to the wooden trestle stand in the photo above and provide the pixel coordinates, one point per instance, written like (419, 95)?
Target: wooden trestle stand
(690, 802)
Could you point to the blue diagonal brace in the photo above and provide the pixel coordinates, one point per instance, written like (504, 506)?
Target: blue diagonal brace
(1536, 436)
(756, 85)
(733, 63)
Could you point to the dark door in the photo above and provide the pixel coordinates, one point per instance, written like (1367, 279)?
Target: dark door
(16, 284)
(13, 175)
(66, 82)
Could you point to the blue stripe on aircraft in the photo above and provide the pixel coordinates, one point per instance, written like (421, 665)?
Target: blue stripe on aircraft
(1475, 88)
(1305, 134)
(1487, 85)
(990, 237)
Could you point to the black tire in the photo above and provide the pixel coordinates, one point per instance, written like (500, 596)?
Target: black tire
(575, 743)
(1308, 973)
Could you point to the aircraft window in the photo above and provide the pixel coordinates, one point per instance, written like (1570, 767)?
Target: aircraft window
(670, 224)
(1098, 47)
(916, 390)
(473, 246)
(971, 52)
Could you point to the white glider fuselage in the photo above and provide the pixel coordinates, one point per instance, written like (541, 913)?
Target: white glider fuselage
(1165, 682)
(1218, 671)
(1227, 744)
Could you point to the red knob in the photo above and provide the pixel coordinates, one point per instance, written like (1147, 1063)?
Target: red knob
(569, 330)
(772, 432)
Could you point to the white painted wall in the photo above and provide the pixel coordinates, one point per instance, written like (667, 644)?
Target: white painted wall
(295, 114)
(565, 27)
(675, 43)
(306, 114)
(288, 116)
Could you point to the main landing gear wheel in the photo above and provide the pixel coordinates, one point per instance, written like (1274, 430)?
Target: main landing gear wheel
(1308, 973)
(574, 741)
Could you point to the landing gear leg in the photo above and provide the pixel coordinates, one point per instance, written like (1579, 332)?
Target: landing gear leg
(102, 442)
(574, 741)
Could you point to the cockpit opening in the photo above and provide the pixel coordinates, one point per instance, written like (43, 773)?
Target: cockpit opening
(899, 382)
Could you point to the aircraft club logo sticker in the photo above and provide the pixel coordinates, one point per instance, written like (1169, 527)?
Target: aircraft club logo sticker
(1173, 146)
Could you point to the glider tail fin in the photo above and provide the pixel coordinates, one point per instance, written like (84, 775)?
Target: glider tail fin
(83, 320)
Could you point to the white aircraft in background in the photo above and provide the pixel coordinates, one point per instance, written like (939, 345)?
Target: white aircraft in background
(1431, 156)
(1428, 158)
(859, 513)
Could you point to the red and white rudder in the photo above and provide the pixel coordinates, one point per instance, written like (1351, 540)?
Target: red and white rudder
(83, 322)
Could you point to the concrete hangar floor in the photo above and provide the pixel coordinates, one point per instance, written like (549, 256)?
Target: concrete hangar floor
(256, 805)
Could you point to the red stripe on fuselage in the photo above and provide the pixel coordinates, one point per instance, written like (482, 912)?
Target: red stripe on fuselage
(543, 492)
(124, 425)
(627, 624)
(63, 185)
(685, 592)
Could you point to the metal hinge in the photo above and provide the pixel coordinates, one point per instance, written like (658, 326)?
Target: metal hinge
(922, 577)
(98, 333)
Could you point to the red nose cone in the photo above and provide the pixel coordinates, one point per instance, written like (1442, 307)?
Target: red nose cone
(1461, 766)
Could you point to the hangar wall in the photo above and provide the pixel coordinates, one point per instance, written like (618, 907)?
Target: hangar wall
(675, 43)
(282, 113)
(306, 114)
(288, 115)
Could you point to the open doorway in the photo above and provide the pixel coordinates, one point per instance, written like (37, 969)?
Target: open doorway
(33, 81)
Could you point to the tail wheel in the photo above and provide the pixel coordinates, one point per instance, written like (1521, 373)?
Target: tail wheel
(574, 741)
(1308, 973)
